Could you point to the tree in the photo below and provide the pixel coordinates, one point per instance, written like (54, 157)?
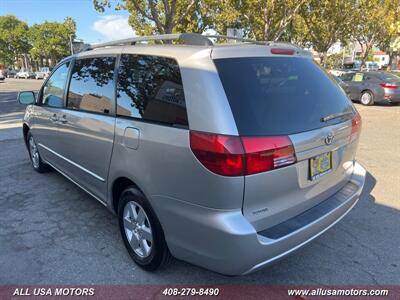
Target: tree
(263, 20)
(369, 24)
(161, 17)
(50, 40)
(327, 22)
(390, 33)
(14, 43)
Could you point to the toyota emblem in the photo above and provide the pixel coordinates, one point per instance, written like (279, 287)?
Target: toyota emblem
(329, 139)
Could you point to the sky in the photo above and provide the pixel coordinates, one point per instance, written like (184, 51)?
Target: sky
(92, 26)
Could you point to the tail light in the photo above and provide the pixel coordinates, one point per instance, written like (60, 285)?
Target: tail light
(389, 85)
(355, 126)
(221, 154)
(238, 156)
(267, 153)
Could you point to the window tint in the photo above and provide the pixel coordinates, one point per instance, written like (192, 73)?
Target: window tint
(279, 95)
(92, 85)
(370, 77)
(53, 91)
(346, 76)
(150, 88)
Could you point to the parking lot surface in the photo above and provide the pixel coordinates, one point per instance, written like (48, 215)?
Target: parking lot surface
(52, 232)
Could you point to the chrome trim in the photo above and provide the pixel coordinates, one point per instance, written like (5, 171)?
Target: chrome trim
(77, 184)
(72, 163)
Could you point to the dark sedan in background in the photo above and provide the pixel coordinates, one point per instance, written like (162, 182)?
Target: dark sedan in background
(371, 87)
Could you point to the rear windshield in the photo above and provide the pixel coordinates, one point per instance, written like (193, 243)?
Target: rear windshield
(280, 95)
(388, 77)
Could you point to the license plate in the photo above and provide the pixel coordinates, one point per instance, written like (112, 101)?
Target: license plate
(320, 165)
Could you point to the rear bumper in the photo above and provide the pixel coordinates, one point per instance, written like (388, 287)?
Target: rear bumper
(391, 95)
(225, 242)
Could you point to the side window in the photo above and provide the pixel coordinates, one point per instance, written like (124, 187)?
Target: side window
(368, 77)
(53, 91)
(346, 76)
(150, 88)
(358, 77)
(92, 85)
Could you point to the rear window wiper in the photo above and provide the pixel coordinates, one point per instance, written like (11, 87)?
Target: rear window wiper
(335, 116)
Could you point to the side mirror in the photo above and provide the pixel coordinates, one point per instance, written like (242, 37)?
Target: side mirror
(26, 98)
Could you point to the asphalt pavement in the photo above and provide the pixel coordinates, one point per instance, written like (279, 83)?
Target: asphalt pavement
(51, 232)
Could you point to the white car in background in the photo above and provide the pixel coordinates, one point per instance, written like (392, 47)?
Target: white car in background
(2, 75)
(337, 72)
(25, 74)
(371, 66)
(43, 73)
(39, 75)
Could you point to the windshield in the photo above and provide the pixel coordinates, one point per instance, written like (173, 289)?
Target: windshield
(280, 95)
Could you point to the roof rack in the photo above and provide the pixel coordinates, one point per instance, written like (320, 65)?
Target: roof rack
(187, 38)
(193, 39)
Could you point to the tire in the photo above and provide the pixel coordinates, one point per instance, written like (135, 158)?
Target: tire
(367, 98)
(141, 231)
(37, 163)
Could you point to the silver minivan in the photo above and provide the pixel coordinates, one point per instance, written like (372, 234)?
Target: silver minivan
(228, 156)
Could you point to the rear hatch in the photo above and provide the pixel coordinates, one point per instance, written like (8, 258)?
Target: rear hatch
(290, 104)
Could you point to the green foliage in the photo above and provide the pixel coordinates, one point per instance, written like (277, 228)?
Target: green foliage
(162, 17)
(389, 37)
(51, 39)
(334, 61)
(13, 39)
(263, 20)
(328, 21)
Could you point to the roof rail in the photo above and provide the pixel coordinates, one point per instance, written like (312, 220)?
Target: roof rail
(194, 39)
(236, 39)
(187, 38)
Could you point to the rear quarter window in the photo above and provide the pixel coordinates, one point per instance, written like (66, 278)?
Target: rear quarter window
(279, 95)
(150, 88)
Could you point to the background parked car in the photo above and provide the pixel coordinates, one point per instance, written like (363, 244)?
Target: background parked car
(2, 75)
(372, 87)
(371, 66)
(25, 74)
(11, 73)
(39, 75)
(43, 73)
(338, 72)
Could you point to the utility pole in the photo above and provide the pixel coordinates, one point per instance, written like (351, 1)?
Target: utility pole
(344, 53)
(71, 45)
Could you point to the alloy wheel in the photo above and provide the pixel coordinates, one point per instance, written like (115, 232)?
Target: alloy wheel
(34, 153)
(138, 229)
(366, 98)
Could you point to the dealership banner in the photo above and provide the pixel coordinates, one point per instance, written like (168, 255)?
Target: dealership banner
(197, 292)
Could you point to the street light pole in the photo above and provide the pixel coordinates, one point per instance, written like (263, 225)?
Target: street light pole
(70, 43)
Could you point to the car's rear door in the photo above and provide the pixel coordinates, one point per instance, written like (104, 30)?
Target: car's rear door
(86, 132)
(276, 98)
(351, 86)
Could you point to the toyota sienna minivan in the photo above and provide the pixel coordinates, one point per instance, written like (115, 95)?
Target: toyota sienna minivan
(228, 156)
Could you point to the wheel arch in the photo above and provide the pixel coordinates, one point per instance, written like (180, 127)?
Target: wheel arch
(367, 90)
(118, 186)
